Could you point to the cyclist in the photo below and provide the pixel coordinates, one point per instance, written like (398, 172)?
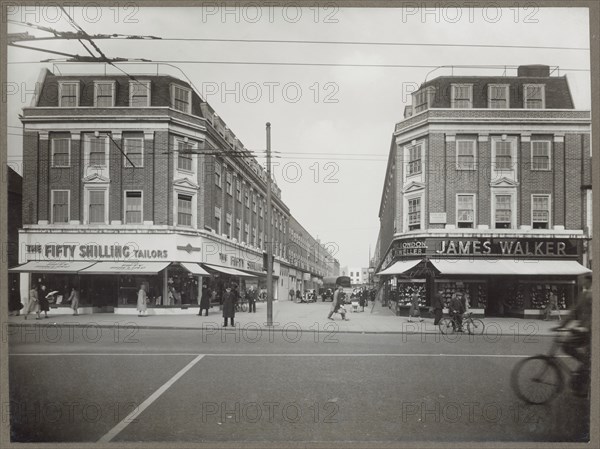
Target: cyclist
(456, 309)
(577, 345)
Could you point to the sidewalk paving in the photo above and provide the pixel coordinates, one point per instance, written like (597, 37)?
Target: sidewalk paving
(288, 315)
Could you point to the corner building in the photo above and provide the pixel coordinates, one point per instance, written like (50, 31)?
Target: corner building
(135, 180)
(488, 191)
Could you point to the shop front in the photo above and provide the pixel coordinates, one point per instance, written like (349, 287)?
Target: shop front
(498, 276)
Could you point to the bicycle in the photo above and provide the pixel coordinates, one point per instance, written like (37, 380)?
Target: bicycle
(474, 326)
(241, 306)
(540, 378)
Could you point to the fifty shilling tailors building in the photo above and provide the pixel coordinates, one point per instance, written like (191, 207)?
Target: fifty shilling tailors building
(488, 191)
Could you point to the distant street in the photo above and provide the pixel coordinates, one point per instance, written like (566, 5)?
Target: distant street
(184, 385)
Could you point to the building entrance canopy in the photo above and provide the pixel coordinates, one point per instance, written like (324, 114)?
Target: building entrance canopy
(229, 271)
(51, 266)
(146, 268)
(399, 267)
(510, 267)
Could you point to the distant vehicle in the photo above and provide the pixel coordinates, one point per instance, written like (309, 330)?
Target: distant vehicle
(332, 283)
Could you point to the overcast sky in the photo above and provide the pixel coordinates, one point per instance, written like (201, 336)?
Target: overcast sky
(331, 125)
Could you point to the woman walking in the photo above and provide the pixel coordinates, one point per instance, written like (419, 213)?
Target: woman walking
(74, 300)
(33, 305)
(43, 300)
(142, 301)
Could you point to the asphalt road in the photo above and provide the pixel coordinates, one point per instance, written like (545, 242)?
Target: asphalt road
(88, 385)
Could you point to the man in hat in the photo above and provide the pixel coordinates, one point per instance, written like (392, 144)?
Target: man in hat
(552, 303)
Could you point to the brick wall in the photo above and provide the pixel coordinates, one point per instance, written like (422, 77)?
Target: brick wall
(573, 192)
(161, 172)
(30, 177)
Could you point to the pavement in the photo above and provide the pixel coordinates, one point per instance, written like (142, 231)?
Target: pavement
(289, 316)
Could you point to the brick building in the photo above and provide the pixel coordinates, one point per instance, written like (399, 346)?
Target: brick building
(488, 191)
(135, 180)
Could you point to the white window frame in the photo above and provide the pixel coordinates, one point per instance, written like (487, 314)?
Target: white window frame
(174, 87)
(190, 145)
(474, 198)
(112, 93)
(192, 194)
(453, 99)
(52, 192)
(542, 88)
(61, 84)
(473, 141)
(219, 216)
(228, 183)
(125, 161)
(407, 198)
(549, 145)
(409, 162)
(54, 139)
(125, 192)
(513, 207)
(508, 173)
(549, 198)
(422, 99)
(506, 88)
(86, 205)
(147, 86)
(87, 139)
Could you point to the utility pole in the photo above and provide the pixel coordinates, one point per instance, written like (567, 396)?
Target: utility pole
(269, 234)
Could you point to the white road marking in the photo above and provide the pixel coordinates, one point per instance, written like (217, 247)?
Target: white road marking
(90, 354)
(144, 405)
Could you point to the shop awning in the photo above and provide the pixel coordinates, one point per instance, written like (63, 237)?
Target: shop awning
(116, 267)
(195, 268)
(229, 271)
(51, 266)
(400, 267)
(511, 267)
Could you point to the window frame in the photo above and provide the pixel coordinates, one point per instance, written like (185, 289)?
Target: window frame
(453, 98)
(178, 211)
(229, 183)
(228, 225)
(491, 100)
(52, 153)
(410, 162)
(418, 198)
(218, 175)
(125, 192)
(218, 219)
(548, 197)
(513, 209)
(87, 145)
(511, 173)
(112, 84)
(126, 163)
(148, 87)
(174, 88)
(543, 95)
(61, 85)
(87, 204)
(549, 148)
(474, 211)
(459, 165)
(188, 147)
(52, 214)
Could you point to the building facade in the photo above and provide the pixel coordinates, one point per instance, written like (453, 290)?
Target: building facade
(488, 191)
(131, 181)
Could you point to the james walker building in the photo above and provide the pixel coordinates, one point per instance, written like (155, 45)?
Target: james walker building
(136, 180)
(488, 191)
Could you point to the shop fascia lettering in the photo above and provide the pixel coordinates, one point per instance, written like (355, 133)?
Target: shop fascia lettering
(505, 248)
(71, 251)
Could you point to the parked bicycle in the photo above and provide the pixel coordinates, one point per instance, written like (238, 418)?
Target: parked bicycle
(539, 379)
(241, 306)
(474, 326)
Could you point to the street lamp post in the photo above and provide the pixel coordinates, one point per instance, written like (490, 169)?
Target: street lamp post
(269, 234)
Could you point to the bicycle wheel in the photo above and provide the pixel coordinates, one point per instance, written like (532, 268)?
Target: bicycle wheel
(244, 306)
(446, 326)
(537, 380)
(475, 327)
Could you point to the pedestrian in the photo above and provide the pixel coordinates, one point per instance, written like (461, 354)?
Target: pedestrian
(142, 301)
(251, 295)
(456, 309)
(204, 300)
(552, 303)
(438, 307)
(298, 296)
(43, 300)
(338, 304)
(414, 311)
(228, 306)
(74, 299)
(14, 299)
(33, 305)
(291, 294)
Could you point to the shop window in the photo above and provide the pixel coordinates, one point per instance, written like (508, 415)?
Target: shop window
(60, 206)
(533, 96)
(414, 160)
(465, 154)
(465, 211)
(139, 94)
(104, 94)
(540, 155)
(180, 98)
(184, 210)
(461, 96)
(133, 207)
(97, 206)
(218, 220)
(503, 212)
(61, 151)
(498, 96)
(68, 94)
(414, 214)
(133, 147)
(540, 211)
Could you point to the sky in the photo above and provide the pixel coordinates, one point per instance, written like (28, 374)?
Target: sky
(332, 120)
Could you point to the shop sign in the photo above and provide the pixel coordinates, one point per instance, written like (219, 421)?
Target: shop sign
(535, 248)
(237, 262)
(223, 257)
(411, 248)
(95, 252)
(437, 218)
(254, 266)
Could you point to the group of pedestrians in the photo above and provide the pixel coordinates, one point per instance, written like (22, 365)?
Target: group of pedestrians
(39, 300)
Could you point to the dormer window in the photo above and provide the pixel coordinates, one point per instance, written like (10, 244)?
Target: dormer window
(423, 99)
(68, 94)
(534, 96)
(462, 96)
(139, 94)
(498, 96)
(104, 94)
(181, 98)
